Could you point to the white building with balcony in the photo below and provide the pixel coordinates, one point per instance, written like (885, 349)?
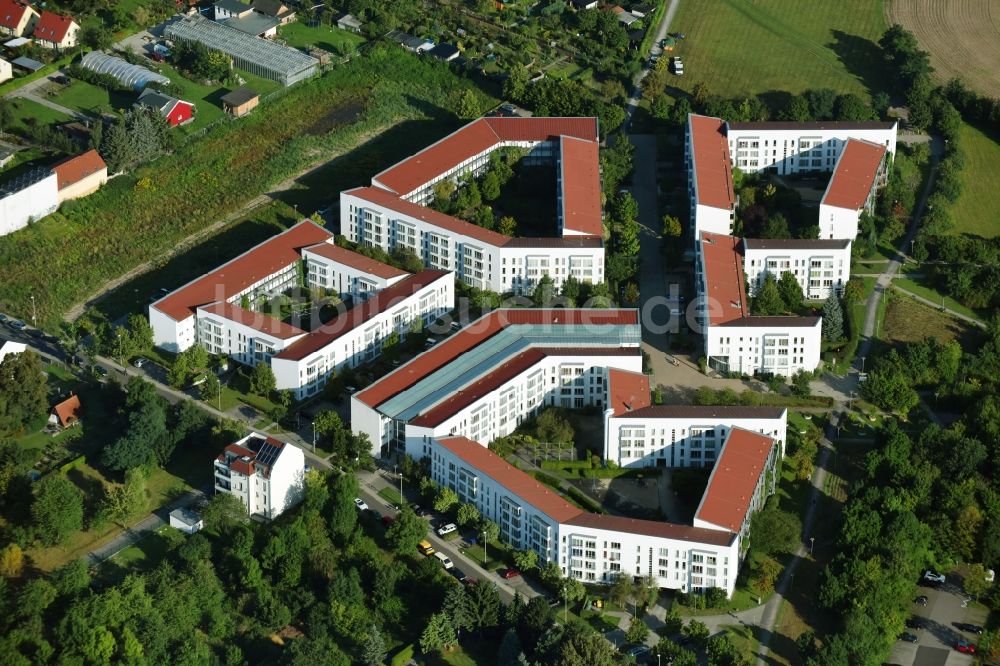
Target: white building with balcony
(265, 474)
(347, 273)
(861, 169)
(684, 435)
(710, 175)
(820, 266)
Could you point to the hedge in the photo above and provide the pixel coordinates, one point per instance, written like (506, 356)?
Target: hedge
(75, 462)
(566, 464)
(403, 657)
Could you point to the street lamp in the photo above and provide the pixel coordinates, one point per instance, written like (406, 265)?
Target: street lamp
(811, 541)
(314, 436)
(862, 365)
(34, 318)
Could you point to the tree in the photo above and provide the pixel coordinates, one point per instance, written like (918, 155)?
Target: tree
(456, 607)
(631, 293)
(375, 650)
(406, 532)
(552, 426)
(852, 108)
(343, 514)
(672, 227)
(774, 531)
(637, 631)
(122, 500)
(11, 560)
(764, 574)
(145, 437)
(57, 509)
(507, 226)
(582, 645)
(95, 35)
(776, 227)
(23, 391)
(890, 390)
(525, 560)
(975, 582)
(509, 653)
(791, 292)
(544, 292)
(697, 632)
(467, 105)
(516, 84)
(833, 318)
(797, 109)
(484, 605)
(854, 291)
(141, 135)
(262, 380)
(467, 514)
(768, 299)
(209, 390)
(621, 590)
(489, 530)
(438, 635)
(73, 578)
(446, 498)
(224, 511)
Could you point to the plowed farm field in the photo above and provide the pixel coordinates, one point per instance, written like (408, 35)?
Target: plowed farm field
(962, 36)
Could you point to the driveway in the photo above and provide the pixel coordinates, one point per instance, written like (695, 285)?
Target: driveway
(937, 632)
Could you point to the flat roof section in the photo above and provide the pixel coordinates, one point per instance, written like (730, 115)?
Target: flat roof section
(725, 290)
(512, 479)
(854, 175)
(813, 125)
(704, 412)
(796, 244)
(713, 177)
(653, 528)
(734, 478)
(232, 277)
(355, 260)
(627, 391)
(580, 186)
(359, 314)
(778, 321)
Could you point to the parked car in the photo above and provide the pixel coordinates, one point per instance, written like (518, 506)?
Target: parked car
(638, 652)
(933, 577)
(971, 628)
(388, 520)
(444, 560)
(908, 637)
(18, 325)
(965, 646)
(360, 503)
(447, 529)
(419, 510)
(458, 574)
(914, 622)
(677, 65)
(103, 372)
(139, 362)
(3, 318)
(507, 574)
(425, 547)
(921, 600)
(350, 389)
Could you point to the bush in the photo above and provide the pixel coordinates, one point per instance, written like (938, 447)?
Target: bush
(404, 656)
(566, 464)
(75, 462)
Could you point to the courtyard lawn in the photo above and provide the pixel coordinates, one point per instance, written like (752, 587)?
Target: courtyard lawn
(335, 40)
(832, 45)
(977, 211)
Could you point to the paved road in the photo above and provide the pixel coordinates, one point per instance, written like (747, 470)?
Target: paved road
(661, 31)
(142, 529)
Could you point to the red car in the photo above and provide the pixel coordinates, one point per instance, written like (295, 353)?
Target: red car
(966, 647)
(387, 520)
(510, 573)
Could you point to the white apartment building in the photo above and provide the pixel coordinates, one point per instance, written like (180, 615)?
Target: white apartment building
(347, 273)
(500, 369)
(267, 475)
(710, 175)
(735, 341)
(684, 435)
(27, 198)
(860, 170)
(264, 270)
(243, 335)
(392, 213)
(801, 147)
(820, 266)
(357, 336)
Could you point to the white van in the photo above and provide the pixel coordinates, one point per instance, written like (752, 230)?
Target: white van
(444, 559)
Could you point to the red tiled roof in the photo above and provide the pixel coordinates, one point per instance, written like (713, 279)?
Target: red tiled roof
(543, 128)
(52, 27)
(271, 256)
(453, 224)
(74, 169)
(734, 479)
(355, 260)
(725, 288)
(580, 180)
(478, 332)
(68, 411)
(712, 166)
(255, 320)
(505, 372)
(653, 528)
(511, 478)
(11, 13)
(854, 175)
(627, 391)
(359, 314)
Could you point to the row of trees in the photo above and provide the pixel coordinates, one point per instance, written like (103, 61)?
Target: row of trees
(777, 297)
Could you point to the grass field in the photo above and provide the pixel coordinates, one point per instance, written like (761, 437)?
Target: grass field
(906, 320)
(935, 296)
(26, 111)
(738, 47)
(977, 211)
(961, 36)
(335, 40)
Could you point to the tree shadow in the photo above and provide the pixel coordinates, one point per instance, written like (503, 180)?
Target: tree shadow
(863, 58)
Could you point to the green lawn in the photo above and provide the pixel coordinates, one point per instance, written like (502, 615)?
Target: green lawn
(392, 496)
(335, 40)
(26, 111)
(934, 296)
(737, 47)
(977, 210)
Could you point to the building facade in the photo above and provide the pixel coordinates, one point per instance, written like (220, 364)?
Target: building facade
(684, 435)
(346, 273)
(819, 266)
(265, 474)
(27, 198)
(860, 171)
(17, 19)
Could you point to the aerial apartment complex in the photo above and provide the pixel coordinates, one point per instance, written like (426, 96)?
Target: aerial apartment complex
(392, 213)
(217, 311)
(265, 474)
(819, 266)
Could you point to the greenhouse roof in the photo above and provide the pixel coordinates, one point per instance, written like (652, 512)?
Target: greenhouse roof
(135, 76)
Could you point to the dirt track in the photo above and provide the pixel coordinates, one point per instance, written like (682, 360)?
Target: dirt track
(962, 36)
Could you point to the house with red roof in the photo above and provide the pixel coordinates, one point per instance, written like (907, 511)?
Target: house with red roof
(859, 172)
(80, 175)
(267, 475)
(175, 111)
(55, 31)
(392, 213)
(17, 18)
(66, 413)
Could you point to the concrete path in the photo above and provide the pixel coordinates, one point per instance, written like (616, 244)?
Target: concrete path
(661, 31)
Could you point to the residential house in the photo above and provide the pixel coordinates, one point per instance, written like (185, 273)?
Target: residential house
(859, 172)
(444, 52)
(55, 31)
(28, 197)
(264, 473)
(350, 23)
(584, 4)
(224, 10)
(17, 18)
(176, 111)
(6, 70)
(820, 266)
(275, 9)
(254, 24)
(346, 273)
(623, 16)
(642, 10)
(80, 175)
(67, 413)
(240, 102)
(186, 520)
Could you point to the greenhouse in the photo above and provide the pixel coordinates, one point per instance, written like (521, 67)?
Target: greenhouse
(135, 76)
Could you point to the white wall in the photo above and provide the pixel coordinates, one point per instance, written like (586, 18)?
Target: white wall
(837, 222)
(743, 347)
(816, 270)
(714, 220)
(6, 70)
(344, 279)
(680, 442)
(168, 334)
(286, 483)
(369, 421)
(798, 150)
(247, 345)
(31, 203)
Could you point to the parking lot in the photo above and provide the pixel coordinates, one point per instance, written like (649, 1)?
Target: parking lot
(935, 628)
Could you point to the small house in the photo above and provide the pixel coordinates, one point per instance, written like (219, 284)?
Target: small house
(275, 9)
(27, 64)
(176, 111)
(418, 44)
(55, 31)
(80, 175)
(67, 413)
(584, 4)
(349, 22)
(224, 10)
(16, 18)
(254, 24)
(623, 16)
(240, 102)
(444, 52)
(642, 10)
(186, 520)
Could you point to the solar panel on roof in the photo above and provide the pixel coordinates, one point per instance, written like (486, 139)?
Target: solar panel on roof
(268, 454)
